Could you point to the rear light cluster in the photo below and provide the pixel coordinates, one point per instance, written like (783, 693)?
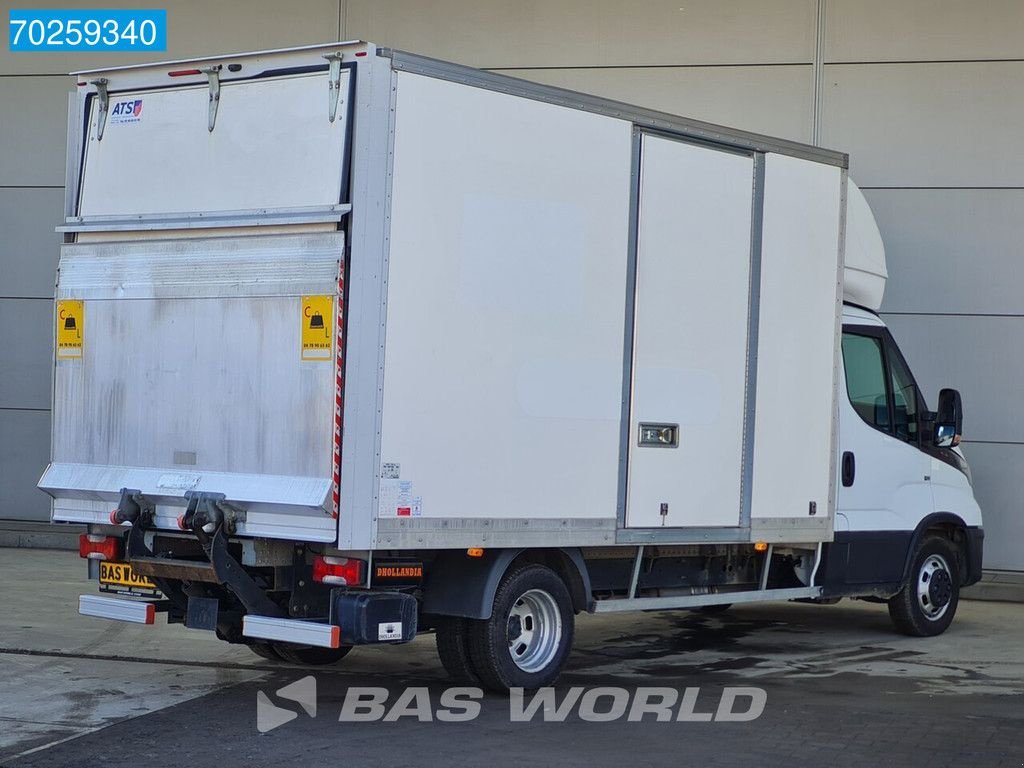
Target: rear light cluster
(346, 571)
(97, 547)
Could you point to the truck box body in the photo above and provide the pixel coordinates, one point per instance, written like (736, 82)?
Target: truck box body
(545, 320)
(352, 344)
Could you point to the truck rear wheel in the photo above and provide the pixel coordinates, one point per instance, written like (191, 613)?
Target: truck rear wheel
(309, 655)
(529, 635)
(452, 637)
(927, 603)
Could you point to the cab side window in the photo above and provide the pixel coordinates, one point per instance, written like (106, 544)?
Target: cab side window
(904, 398)
(865, 379)
(881, 389)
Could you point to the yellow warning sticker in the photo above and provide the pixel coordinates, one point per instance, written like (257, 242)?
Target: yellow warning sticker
(317, 327)
(70, 328)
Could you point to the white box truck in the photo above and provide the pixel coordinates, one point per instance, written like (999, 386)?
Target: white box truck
(353, 344)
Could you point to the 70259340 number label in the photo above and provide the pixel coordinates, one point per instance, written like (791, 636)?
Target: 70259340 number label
(87, 30)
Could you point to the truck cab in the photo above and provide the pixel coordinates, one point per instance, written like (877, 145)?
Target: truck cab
(905, 510)
(907, 527)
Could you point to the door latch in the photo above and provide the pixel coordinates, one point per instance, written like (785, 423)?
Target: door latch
(659, 436)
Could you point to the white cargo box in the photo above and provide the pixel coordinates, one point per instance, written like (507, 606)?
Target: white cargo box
(547, 319)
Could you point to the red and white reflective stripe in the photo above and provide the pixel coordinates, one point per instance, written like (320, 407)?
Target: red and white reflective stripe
(339, 374)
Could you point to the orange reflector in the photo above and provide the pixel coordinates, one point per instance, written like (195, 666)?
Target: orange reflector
(475, 552)
(335, 636)
(761, 546)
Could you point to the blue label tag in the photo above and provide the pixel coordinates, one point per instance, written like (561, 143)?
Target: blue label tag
(87, 30)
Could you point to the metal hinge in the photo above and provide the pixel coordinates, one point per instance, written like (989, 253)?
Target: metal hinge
(213, 74)
(333, 84)
(101, 115)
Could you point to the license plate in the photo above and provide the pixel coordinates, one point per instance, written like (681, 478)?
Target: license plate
(119, 577)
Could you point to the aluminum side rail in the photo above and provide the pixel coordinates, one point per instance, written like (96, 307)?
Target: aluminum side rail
(697, 601)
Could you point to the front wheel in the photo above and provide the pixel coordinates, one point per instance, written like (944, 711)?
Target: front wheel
(927, 603)
(529, 635)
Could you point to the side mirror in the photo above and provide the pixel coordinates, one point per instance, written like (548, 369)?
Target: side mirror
(949, 419)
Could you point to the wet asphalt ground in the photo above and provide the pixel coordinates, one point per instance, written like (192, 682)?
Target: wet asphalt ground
(839, 688)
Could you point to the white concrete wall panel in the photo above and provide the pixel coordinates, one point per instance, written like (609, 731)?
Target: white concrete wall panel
(26, 353)
(24, 452)
(951, 250)
(33, 130)
(194, 28)
(497, 33)
(998, 472)
(924, 30)
(980, 356)
(29, 246)
(927, 125)
(772, 100)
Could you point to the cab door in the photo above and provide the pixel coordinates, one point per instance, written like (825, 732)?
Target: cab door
(884, 488)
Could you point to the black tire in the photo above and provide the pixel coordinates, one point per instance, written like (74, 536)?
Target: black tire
(543, 607)
(264, 650)
(311, 656)
(713, 610)
(927, 603)
(452, 637)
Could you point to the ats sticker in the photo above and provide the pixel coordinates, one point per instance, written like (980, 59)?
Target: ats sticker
(126, 111)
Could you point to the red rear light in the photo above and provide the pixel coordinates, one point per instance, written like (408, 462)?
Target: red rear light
(183, 72)
(339, 570)
(96, 547)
